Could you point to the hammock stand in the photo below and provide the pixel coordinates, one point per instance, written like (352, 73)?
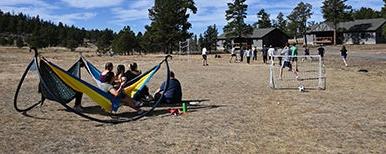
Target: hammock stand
(46, 88)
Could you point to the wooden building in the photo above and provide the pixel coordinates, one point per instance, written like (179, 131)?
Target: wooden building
(366, 31)
(259, 38)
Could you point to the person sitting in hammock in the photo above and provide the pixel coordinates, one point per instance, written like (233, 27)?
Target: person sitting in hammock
(108, 68)
(120, 76)
(107, 86)
(132, 73)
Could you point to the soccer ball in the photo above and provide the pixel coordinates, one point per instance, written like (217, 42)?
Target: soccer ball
(301, 88)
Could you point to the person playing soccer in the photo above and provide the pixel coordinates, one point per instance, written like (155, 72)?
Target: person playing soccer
(294, 54)
(287, 62)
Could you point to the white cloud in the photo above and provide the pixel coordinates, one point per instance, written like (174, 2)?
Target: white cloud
(45, 14)
(36, 3)
(135, 11)
(87, 4)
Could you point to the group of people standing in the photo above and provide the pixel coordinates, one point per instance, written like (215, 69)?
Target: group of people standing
(246, 52)
(269, 54)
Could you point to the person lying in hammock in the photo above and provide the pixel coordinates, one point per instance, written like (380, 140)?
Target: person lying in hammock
(107, 86)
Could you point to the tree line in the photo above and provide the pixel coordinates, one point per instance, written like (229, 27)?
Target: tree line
(297, 22)
(22, 30)
(169, 25)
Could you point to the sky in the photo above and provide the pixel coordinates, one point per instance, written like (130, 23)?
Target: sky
(115, 14)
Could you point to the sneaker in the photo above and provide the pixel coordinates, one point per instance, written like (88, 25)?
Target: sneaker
(138, 103)
(140, 112)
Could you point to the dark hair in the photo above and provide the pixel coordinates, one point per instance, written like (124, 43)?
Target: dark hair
(133, 66)
(109, 66)
(108, 77)
(172, 74)
(120, 69)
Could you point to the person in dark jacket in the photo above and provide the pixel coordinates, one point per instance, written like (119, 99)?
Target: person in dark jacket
(173, 94)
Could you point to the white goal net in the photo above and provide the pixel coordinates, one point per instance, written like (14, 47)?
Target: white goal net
(310, 73)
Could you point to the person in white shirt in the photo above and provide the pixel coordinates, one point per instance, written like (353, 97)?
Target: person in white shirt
(204, 57)
(271, 52)
(233, 54)
(248, 54)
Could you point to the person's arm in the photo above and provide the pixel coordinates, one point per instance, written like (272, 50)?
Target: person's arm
(115, 92)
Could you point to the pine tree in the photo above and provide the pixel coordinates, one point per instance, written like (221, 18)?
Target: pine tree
(336, 11)
(210, 37)
(201, 42)
(365, 13)
(138, 39)
(299, 16)
(264, 20)
(104, 41)
(125, 42)
(170, 23)
(383, 10)
(281, 23)
(235, 15)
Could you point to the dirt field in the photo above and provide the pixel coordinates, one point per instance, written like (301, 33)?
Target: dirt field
(242, 114)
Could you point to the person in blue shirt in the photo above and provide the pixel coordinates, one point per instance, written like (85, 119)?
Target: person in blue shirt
(173, 94)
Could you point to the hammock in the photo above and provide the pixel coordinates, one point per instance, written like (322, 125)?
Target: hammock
(63, 86)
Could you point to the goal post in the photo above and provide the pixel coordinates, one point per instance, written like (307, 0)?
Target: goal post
(184, 47)
(310, 74)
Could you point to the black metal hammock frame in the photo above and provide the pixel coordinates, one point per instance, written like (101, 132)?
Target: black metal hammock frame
(51, 87)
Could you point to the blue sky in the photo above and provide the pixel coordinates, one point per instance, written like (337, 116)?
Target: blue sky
(115, 14)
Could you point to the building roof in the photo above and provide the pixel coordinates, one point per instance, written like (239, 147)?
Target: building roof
(257, 33)
(363, 25)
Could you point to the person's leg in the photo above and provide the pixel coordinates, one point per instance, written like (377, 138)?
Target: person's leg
(78, 101)
(296, 64)
(344, 60)
(281, 71)
(130, 102)
(264, 59)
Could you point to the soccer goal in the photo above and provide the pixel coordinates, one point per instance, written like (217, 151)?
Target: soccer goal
(184, 47)
(310, 74)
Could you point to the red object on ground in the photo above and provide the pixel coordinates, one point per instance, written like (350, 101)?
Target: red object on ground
(174, 111)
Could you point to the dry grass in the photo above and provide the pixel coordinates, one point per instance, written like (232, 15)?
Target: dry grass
(242, 114)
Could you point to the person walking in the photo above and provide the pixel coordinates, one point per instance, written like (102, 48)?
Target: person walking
(204, 57)
(343, 54)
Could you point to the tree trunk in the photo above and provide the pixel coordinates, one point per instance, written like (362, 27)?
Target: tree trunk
(335, 35)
